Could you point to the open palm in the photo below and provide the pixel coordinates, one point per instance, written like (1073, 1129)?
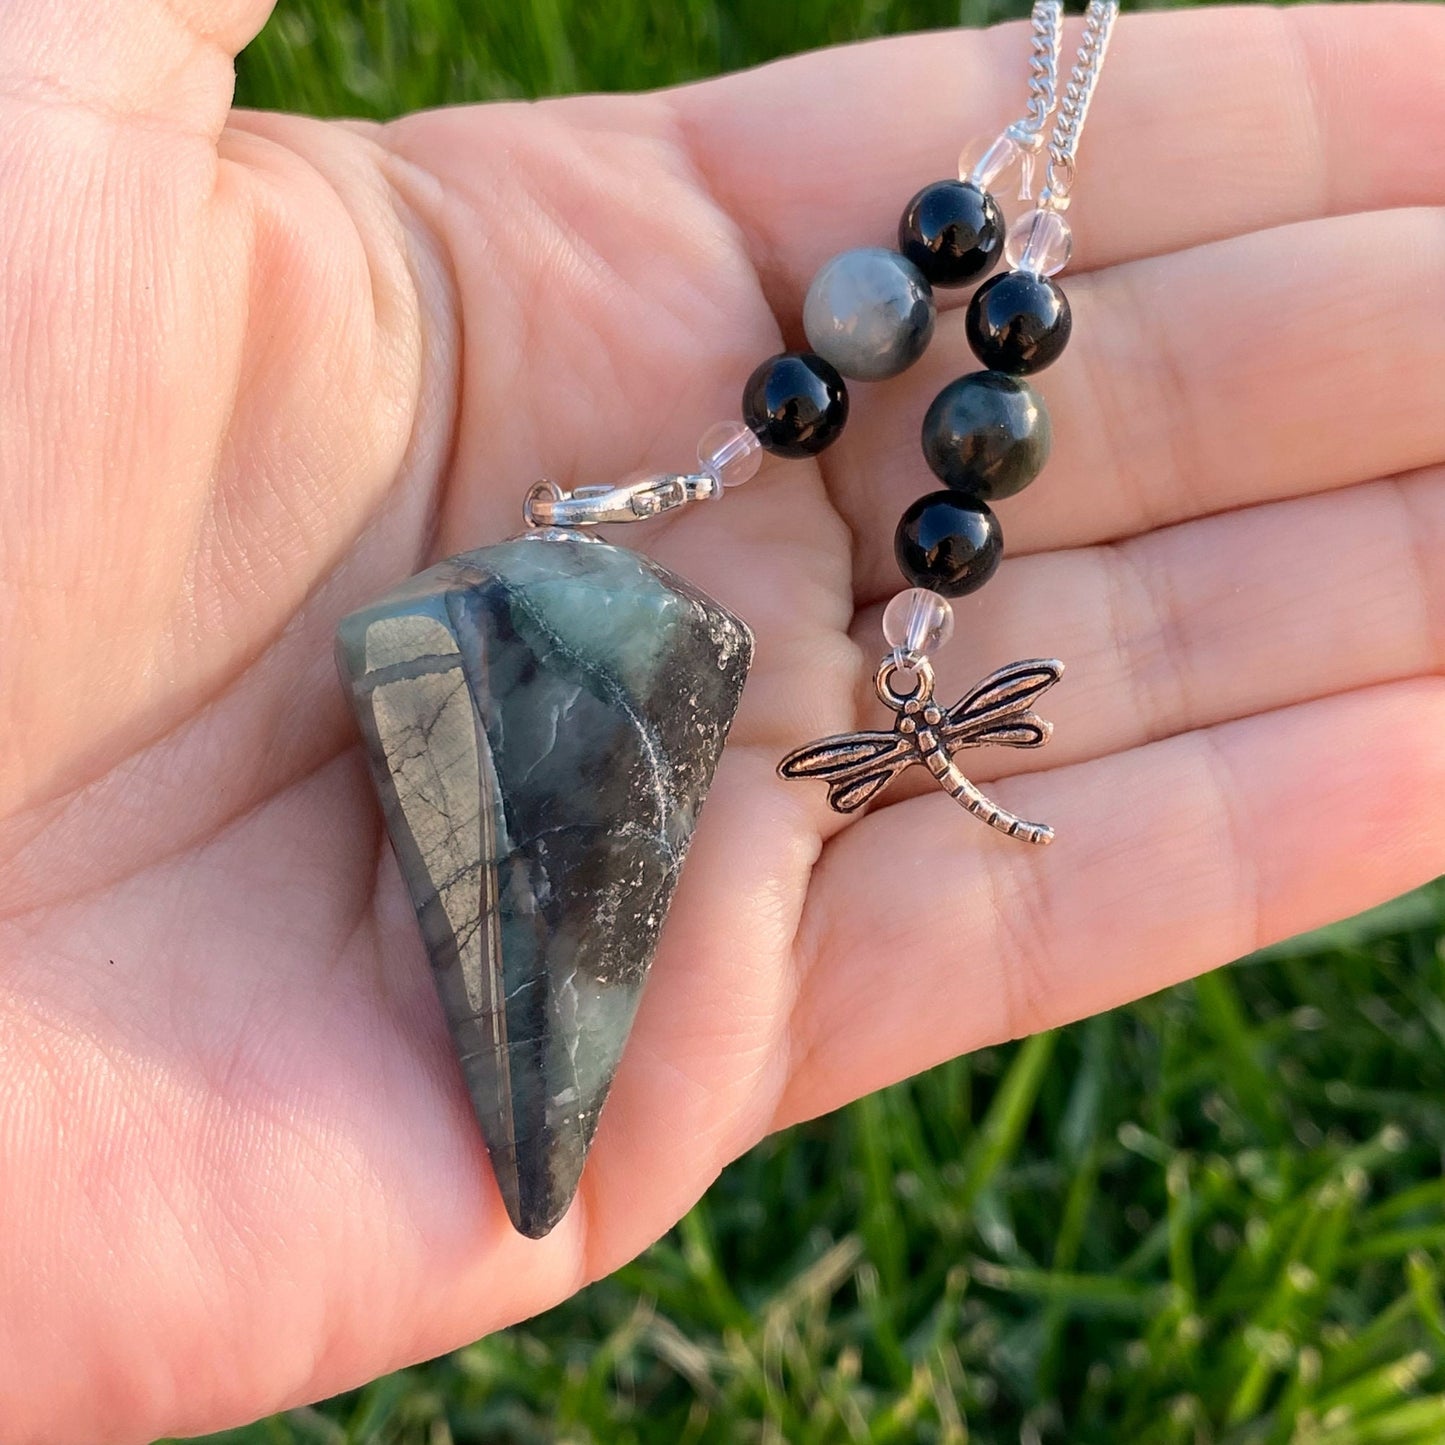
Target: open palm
(258, 368)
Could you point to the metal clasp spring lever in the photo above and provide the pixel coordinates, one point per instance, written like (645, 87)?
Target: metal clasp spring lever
(548, 505)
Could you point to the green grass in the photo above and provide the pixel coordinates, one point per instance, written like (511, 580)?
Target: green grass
(380, 57)
(1212, 1217)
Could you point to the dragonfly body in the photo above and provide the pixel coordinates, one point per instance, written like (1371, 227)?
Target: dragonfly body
(937, 760)
(999, 710)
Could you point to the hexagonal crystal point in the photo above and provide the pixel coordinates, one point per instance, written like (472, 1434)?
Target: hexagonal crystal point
(542, 719)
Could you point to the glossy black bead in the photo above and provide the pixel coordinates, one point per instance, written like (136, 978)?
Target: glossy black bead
(953, 232)
(1019, 323)
(949, 543)
(987, 434)
(796, 403)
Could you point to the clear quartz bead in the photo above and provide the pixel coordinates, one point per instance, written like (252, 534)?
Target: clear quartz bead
(730, 452)
(1039, 242)
(983, 163)
(916, 623)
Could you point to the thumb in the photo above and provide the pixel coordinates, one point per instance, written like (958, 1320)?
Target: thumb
(189, 320)
(120, 294)
(161, 60)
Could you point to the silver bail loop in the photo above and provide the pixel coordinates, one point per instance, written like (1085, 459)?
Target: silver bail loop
(549, 505)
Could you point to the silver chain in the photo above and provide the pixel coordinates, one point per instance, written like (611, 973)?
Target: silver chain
(1045, 41)
(1074, 108)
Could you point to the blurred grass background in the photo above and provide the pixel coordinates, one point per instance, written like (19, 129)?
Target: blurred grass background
(1213, 1217)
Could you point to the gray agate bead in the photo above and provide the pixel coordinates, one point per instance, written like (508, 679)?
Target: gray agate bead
(870, 313)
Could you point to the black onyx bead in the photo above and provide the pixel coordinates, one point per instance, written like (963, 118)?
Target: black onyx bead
(948, 543)
(953, 232)
(796, 403)
(987, 434)
(1019, 323)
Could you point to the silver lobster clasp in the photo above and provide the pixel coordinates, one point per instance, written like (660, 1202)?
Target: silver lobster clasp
(548, 505)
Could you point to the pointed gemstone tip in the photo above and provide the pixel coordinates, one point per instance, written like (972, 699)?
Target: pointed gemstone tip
(542, 720)
(534, 1221)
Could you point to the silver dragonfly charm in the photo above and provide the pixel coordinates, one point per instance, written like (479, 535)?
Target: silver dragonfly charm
(999, 710)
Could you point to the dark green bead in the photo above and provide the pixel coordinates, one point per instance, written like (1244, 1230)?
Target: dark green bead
(987, 434)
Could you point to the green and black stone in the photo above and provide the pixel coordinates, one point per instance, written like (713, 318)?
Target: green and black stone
(542, 719)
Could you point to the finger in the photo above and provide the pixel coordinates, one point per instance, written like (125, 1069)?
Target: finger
(168, 60)
(1217, 619)
(926, 935)
(1220, 377)
(1206, 124)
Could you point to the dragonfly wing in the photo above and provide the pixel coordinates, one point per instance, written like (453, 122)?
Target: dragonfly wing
(1028, 730)
(843, 757)
(1004, 697)
(848, 797)
(854, 765)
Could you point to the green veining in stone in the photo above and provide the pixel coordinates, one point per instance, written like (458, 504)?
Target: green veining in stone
(543, 719)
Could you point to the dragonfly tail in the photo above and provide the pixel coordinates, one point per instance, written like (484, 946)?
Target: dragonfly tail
(987, 811)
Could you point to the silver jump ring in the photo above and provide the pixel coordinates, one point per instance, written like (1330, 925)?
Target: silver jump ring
(920, 692)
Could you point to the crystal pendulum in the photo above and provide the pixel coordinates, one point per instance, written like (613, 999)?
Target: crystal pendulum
(542, 719)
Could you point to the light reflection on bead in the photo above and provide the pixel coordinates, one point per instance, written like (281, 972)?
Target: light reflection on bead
(1039, 242)
(947, 542)
(870, 312)
(731, 453)
(1018, 323)
(987, 434)
(917, 623)
(953, 231)
(796, 402)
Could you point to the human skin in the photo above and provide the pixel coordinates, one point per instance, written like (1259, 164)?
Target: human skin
(257, 368)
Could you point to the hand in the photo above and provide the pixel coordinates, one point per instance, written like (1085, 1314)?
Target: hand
(259, 368)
